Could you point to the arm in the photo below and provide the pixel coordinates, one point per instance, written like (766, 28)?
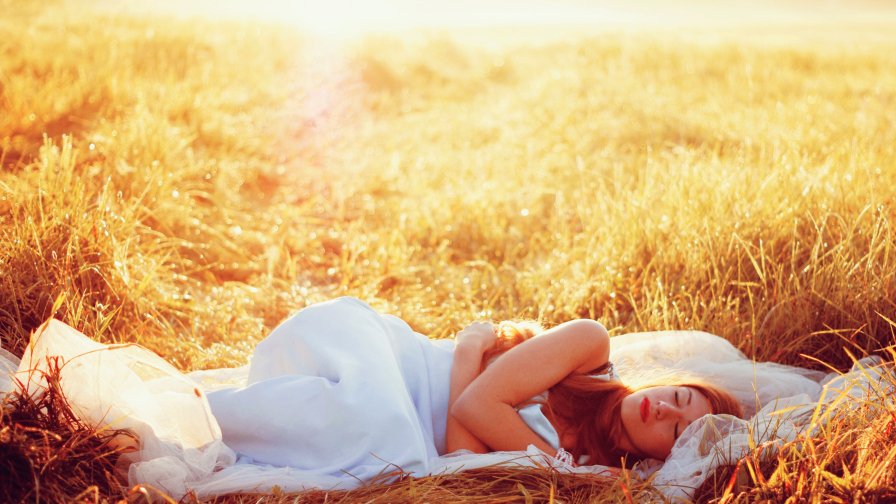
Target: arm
(472, 343)
(486, 407)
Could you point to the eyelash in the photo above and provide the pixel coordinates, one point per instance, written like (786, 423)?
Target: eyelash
(675, 432)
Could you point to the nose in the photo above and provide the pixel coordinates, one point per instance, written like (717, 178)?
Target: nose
(665, 410)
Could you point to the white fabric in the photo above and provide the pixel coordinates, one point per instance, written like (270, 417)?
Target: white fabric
(318, 380)
(339, 390)
(536, 420)
(9, 363)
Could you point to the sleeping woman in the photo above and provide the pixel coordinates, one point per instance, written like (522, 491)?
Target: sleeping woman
(557, 392)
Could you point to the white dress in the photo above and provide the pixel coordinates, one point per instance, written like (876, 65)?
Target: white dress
(339, 394)
(342, 391)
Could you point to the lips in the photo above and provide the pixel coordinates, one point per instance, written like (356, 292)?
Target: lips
(645, 409)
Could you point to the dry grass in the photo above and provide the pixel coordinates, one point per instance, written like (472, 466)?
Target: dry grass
(186, 185)
(488, 485)
(48, 455)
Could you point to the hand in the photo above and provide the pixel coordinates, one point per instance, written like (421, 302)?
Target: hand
(478, 336)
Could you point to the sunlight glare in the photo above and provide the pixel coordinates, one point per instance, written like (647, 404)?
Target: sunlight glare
(334, 18)
(347, 19)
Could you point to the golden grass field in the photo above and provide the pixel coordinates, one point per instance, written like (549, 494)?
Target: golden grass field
(187, 184)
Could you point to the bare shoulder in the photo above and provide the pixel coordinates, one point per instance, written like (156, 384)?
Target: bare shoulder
(586, 337)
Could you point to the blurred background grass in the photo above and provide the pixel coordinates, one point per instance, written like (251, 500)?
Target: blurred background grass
(187, 183)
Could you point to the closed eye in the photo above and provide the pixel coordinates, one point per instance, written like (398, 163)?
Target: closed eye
(676, 398)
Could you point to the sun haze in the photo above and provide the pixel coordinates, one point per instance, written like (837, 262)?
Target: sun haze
(351, 18)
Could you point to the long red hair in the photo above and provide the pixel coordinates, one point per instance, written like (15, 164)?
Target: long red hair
(591, 407)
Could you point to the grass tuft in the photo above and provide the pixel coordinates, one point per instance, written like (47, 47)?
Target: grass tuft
(48, 455)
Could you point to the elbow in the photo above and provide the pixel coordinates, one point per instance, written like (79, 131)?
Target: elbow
(470, 409)
(593, 331)
(592, 335)
(461, 409)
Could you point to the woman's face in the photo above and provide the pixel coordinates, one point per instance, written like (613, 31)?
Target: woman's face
(655, 417)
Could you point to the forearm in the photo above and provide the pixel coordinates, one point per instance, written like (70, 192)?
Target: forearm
(465, 368)
(498, 425)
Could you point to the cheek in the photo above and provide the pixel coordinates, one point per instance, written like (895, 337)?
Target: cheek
(664, 438)
(653, 437)
(627, 410)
